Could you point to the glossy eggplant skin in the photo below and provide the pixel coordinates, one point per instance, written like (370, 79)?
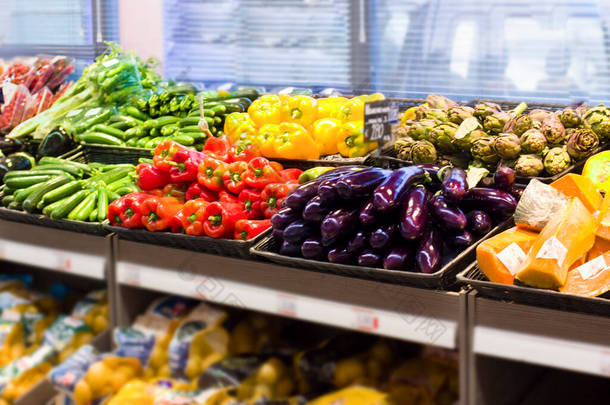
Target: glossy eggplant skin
(301, 195)
(284, 217)
(454, 186)
(429, 251)
(358, 242)
(504, 178)
(381, 238)
(361, 183)
(340, 255)
(340, 222)
(460, 240)
(367, 215)
(340, 171)
(431, 170)
(298, 231)
(516, 192)
(327, 190)
(312, 248)
(496, 202)
(399, 258)
(450, 217)
(19, 161)
(290, 249)
(388, 195)
(479, 223)
(316, 209)
(369, 258)
(414, 213)
(278, 235)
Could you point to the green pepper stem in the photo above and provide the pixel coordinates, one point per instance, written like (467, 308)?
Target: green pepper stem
(215, 220)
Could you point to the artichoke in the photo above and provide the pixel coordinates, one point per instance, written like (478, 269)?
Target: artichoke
(495, 122)
(509, 163)
(570, 118)
(420, 129)
(483, 150)
(529, 166)
(440, 102)
(469, 130)
(598, 120)
(556, 160)
(422, 152)
(443, 137)
(519, 124)
(538, 115)
(582, 109)
(507, 146)
(458, 114)
(581, 143)
(483, 109)
(553, 130)
(435, 114)
(400, 132)
(402, 147)
(533, 141)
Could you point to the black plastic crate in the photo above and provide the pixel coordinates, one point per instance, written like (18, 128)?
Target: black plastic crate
(113, 154)
(91, 228)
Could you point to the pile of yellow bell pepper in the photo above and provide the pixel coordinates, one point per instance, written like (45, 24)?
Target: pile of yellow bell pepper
(302, 127)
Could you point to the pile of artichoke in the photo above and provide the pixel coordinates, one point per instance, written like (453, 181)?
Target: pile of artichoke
(534, 143)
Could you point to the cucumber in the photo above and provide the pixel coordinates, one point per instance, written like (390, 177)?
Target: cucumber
(197, 136)
(7, 191)
(62, 210)
(61, 192)
(122, 125)
(188, 121)
(15, 206)
(100, 138)
(135, 113)
(49, 208)
(24, 182)
(135, 132)
(30, 204)
(183, 139)
(105, 129)
(142, 141)
(102, 204)
(7, 200)
(98, 119)
(49, 160)
(30, 173)
(69, 169)
(83, 209)
(21, 195)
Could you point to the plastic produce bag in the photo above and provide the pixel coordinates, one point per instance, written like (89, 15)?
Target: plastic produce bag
(62, 68)
(15, 98)
(37, 103)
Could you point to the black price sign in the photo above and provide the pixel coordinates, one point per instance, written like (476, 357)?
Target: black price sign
(378, 119)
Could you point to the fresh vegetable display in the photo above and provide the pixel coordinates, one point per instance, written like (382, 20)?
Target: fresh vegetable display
(64, 189)
(535, 143)
(561, 240)
(412, 218)
(220, 192)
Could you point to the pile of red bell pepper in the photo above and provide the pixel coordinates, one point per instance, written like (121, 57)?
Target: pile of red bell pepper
(221, 192)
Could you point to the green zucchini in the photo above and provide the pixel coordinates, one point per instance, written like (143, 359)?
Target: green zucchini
(100, 138)
(62, 210)
(61, 192)
(105, 129)
(24, 182)
(30, 204)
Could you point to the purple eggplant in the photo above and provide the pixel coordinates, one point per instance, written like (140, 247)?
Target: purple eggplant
(340, 222)
(340, 255)
(367, 215)
(414, 213)
(278, 235)
(381, 238)
(316, 209)
(431, 170)
(460, 240)
(340, 171)
(496, 202)
(429, 251)
(301, 195)
(454, 186)
(358, 242)
(479, 223)
(312, 248)
(449, 216)
(369, 258)
(516, 192)
(399, 258)
(284, 217)
(290, 249)
(389, 194)
(362, 183)
(504, 178)
(298, 231)
(327, 190)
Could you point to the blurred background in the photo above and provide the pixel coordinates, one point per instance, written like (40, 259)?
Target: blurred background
(547, 50)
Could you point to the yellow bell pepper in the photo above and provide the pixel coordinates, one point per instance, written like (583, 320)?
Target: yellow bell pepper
(353, 109)
(327, 106)
(265, 139)
(408, 115)
(300, 110)
(326, 135)
(265, 110)
(234, 121)
(597, 168)
(294, 142)
(352, 143)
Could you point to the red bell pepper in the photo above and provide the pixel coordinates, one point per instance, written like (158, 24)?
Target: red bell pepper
(178, 191)
(218, 148)
(158, 212)
(233, 177)
(210, 174)
(245, 152)
(276, 166)
(220, 219)
(273, 195)
(192, 216)
(290, 175)
(226, 197)
(196, 190)
(126, 211)
(251, 199)
(260, 173)
(115, 209)
(164, 153)
(185, 165)
(247, 229)
(150, 177)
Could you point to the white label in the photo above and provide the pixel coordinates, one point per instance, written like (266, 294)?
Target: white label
(592, 267)
(286, 305)
(512, 257)
(74, 112)
(93, 111)
(132, 275)
(110, 63)
(604, 365)
(553, 249)
(365, 320)
(63, 262)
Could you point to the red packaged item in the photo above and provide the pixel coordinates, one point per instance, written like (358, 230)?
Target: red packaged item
(62, 68)
(37, 103)
(15, 97)
(44, 71)
(61, 90)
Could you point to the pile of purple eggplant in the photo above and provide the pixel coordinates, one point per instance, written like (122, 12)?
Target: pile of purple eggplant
(405, 219)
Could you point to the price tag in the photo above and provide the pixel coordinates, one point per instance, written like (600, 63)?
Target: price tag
(63, 262)
(286, 305)
(378, 119)
(2, 250)
(110, 63)
(365, 320)
(93, 111)
(132, 275)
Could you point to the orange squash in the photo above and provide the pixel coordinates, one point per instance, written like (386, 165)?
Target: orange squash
(591, 279)
(603, 219)
(568, 236)
(575, 185)
(504, 249)
(600, 247)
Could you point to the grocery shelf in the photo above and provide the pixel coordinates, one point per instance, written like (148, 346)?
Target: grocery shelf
(418, 315)
(54, 249)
